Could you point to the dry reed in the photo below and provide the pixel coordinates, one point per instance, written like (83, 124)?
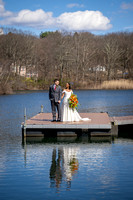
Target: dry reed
(117, 84)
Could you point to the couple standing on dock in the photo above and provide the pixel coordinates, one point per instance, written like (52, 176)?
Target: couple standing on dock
(65, 113)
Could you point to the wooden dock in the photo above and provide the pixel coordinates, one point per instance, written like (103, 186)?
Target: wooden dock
(100, 125)
(123, 120)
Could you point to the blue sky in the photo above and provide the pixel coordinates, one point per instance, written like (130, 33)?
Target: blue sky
(96, 16)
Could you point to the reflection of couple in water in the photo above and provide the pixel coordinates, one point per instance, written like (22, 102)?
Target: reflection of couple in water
(64, 165)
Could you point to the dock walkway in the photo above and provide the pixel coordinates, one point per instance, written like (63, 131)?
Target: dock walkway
(123, 120)
(100, 122)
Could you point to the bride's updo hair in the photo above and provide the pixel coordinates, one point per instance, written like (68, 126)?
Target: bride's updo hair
(69, 86)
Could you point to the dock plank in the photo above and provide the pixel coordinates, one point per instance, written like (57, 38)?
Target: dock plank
(122, 120)
(44, 120)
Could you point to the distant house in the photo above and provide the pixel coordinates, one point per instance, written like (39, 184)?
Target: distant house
(30, 72)
(23, 71)
(98, 68)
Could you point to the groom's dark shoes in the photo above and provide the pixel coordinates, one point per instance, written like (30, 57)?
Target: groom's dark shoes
(58, 120)
(54, 120)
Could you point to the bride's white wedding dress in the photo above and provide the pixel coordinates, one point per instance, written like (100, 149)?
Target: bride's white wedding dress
(68, 114)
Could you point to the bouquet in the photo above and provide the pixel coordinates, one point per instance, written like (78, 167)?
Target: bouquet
(73, 101)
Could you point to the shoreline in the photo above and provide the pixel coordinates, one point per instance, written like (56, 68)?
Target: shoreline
(37, 90)
(122, 84)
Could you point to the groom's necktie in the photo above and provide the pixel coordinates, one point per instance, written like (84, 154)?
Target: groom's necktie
(55, 87)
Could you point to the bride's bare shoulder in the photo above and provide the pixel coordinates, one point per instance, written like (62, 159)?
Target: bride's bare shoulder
(63, 90)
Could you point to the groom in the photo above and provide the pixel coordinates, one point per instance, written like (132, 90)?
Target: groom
(55, 98)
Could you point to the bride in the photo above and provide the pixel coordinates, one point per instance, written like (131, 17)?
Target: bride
(67, 113)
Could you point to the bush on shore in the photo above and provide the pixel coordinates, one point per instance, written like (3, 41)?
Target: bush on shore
(5, 89)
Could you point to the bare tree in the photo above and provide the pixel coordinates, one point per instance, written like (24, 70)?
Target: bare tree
(112, 57)
(79, 57)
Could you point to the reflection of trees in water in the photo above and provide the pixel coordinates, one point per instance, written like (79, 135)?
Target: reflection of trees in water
(64, 166)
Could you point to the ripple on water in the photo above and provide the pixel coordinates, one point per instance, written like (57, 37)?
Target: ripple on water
(96, 170)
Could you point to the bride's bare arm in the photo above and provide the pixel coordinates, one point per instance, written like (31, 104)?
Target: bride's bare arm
(62, 94)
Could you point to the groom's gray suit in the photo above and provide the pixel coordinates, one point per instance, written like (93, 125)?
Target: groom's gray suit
(55, 96)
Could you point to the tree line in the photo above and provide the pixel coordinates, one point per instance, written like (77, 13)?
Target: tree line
(82, 58)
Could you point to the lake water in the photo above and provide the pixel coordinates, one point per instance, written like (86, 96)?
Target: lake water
(97, 168)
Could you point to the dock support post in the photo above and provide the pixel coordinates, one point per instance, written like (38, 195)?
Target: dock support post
(25, 122)
(41, 108)
(114, 130)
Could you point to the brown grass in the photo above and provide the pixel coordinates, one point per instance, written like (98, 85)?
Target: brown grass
(117, 84)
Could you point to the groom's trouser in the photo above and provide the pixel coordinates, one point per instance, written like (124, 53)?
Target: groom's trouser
(54, 106)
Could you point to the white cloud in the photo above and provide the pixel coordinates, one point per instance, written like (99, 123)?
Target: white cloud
(127, 6)
(71, 21)
(37, 18)
(84, 20)
(3, 12)
(75, 5)
(128, 27)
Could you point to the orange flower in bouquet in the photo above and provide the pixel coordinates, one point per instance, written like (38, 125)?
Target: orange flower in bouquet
(73, 101)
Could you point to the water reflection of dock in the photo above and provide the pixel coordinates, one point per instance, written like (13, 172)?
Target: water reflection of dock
(100, 124)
